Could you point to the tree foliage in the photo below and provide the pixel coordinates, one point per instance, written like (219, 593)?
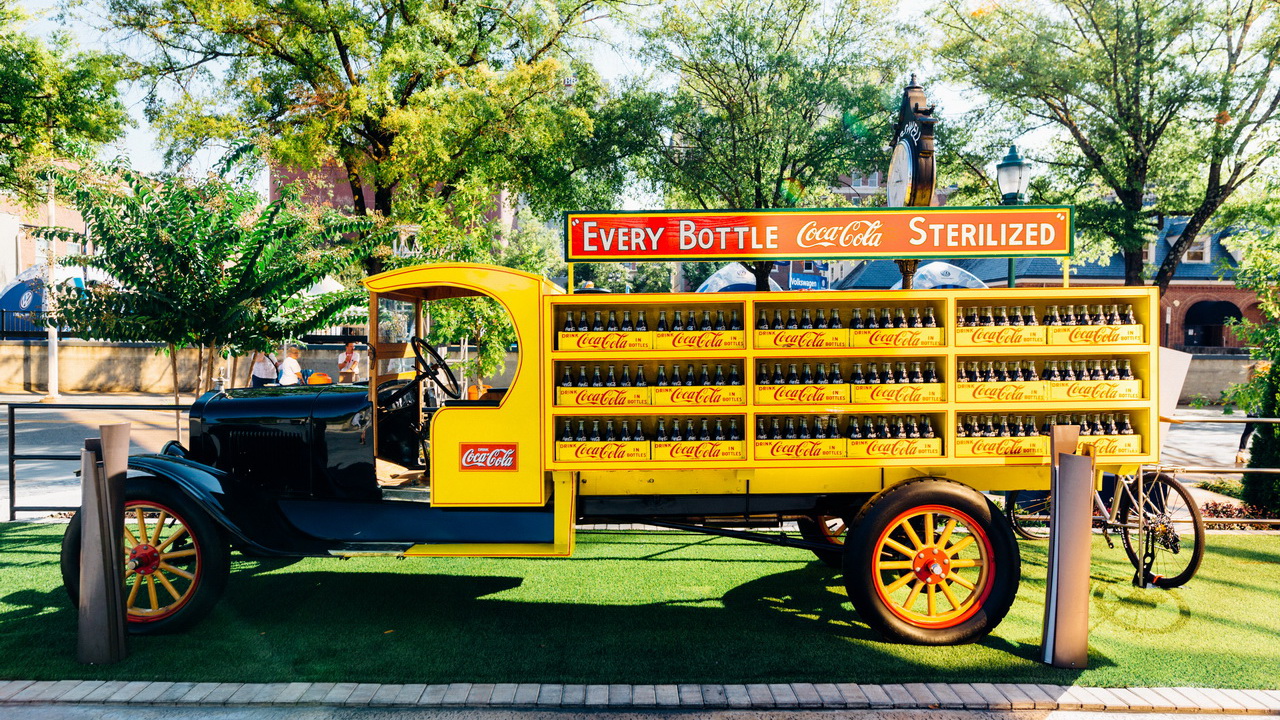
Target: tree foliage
(1167, 105)
(769, 100)
(55, 102)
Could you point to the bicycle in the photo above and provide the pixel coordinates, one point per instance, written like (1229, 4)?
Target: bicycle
(1169, 518)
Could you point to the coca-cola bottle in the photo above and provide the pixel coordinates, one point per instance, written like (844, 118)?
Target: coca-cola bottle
(704, 377)
(1113, 370)
(639, 434)
(834, 378)
(873, 374)
(762, 375)
(661, 434)
(595, 432)
(916, 375)
(914, 320)
(882, 427)
(929, 320)
(806, 377)
(961, 313)
(1051, 370)
(819, 429)
(677, 321)
(597, 324)
(926, 427)
(804, 429)
(792, 322)
(690, 325)
(1095, 372)
(596, 381)
(610, 435)
(986, 318)
(583, 325)
(1017, 427)
(931, 372)
(871, 323)
(969, 371)
(1051, 316)
(705, 325)
(1127, 317)
(611, 380)
(1002, 315)
(1109, 424)
(900, 372)
(790, 434)
(762, 322)
(662, 321)
(719, 323)
(1082, 370)
(688, 430)
(855, 318)
(913, 427)
(761, 433)
(1095, 424)
(627, 325)
(833, 430)
(820, 322)
(778, 378)
(612, 325)
(777, 320)
(688, 376)
(1049, 422)
(675, 375)
(806, 322)
(566, 435)
(988, 427)
(1096, 316)
(972, 318)
(1015, 316)
(565, 380)
(999, 374)
(581, 436)
(887, 376)
(961, 428)
(820, 377)
(856, 377)
(569, 325)
(640, 381)
(734, 377)
(624, 434)
(793, 378)
(719, 378)
(625, 380)
(641, 324)
(775, 432)
(719, 431)
(869, 430)
(1125, 428)
(704, 434)
(735, 322)
(899, 428)
(1029, 371)
(661, 379)
(734, 434)
(835, 323)
(676, 435)
(852, 431)
(1126, 369)
(1083, 422)
(886, 320)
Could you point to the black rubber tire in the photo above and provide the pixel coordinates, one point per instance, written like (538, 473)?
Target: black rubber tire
(1017, 506)
(1186, 561)
(860, 549)
(214, 556)
(813, 528)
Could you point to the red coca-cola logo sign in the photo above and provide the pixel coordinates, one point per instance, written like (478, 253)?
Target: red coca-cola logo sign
(896, 448)
(1002, 335)
(698, 395)
(1005, 446)
(1094, 391)
(501, 457)
(1105, 445)
(598, 396)
(798, 393)
(602, 451)
(896, 393)
(604, 341)
(802, 338)
(702, 451)
(801, 449)
(702, 340)
(896, 338)
(1088, 335)
(1003, 391)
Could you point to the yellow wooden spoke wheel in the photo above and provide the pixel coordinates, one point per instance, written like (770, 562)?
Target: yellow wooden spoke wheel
(932, 566)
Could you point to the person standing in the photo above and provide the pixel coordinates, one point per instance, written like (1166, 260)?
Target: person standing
(348, 364)
(291, 369)
(265, 369)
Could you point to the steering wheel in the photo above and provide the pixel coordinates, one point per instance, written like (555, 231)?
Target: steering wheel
(427, 368)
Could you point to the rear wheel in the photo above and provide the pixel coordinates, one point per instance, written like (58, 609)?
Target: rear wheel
(1028, 513)
(1176, 525)
(176, 559)
(828, 530)
(931, 562)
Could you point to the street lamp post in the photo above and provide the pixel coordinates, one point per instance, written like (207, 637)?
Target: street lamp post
(1013, 174)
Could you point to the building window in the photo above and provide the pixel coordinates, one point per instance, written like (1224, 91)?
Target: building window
(808, 266)
(1149, 254)
(1198, 250)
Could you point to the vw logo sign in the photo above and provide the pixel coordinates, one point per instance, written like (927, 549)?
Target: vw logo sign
(25, 302)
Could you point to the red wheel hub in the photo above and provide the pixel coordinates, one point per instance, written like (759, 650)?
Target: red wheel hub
(931, 565)
(144, 559)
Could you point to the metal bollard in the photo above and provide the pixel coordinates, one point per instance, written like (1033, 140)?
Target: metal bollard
(1065, 641)
(101, 637)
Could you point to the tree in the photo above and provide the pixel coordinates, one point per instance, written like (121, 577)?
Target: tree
(200, 263)
(652, 277)
(54, 102)
(414, 99)
(771, 101)
(1165, 101)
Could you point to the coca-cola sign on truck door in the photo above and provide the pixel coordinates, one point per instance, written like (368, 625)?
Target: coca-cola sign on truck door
(491, 457)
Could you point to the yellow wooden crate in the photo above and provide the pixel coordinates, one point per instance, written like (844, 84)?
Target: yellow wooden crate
(1096, 335)
(900, 393)
(700, 340)
(800, 449)
(802, 339)
(895, 448)
(896, 338)
(691, 396)
(702, 451)
(1035, 391)
(802, 394)
(602, 451)
(1086, 390)
(970, 447)
(602, 396)
(1113, 444)
(605, 341)
(1003, 336)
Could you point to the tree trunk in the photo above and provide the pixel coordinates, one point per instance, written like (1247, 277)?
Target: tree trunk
(235, 365)
(761, 270)
(1194, 225)
(1133, 264)
(177, 398)
(212, 364)
(199, 370)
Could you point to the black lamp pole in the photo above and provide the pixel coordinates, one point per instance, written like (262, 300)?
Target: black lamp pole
(1012, 177)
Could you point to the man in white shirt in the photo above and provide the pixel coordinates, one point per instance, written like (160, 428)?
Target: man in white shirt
(348, 364)
(291, 369)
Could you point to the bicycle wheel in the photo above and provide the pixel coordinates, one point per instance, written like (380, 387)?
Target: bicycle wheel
(1178, 529)
(1028, 512)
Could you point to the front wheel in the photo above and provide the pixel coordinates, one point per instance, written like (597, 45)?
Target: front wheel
(931, 562)
(1176, 526)
(176, 559)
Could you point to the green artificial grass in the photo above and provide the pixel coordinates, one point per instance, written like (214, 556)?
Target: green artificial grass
(643, 607)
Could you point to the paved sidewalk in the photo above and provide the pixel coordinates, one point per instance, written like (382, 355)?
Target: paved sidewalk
(772, 696)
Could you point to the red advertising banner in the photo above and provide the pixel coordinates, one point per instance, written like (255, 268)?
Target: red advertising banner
(1014, 231)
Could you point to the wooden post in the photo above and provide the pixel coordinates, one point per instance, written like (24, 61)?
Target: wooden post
(101, 636)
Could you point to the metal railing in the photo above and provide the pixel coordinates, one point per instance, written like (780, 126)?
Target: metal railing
(15, 457)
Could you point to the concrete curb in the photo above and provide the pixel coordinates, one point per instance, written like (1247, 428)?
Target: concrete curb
(772, 696)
